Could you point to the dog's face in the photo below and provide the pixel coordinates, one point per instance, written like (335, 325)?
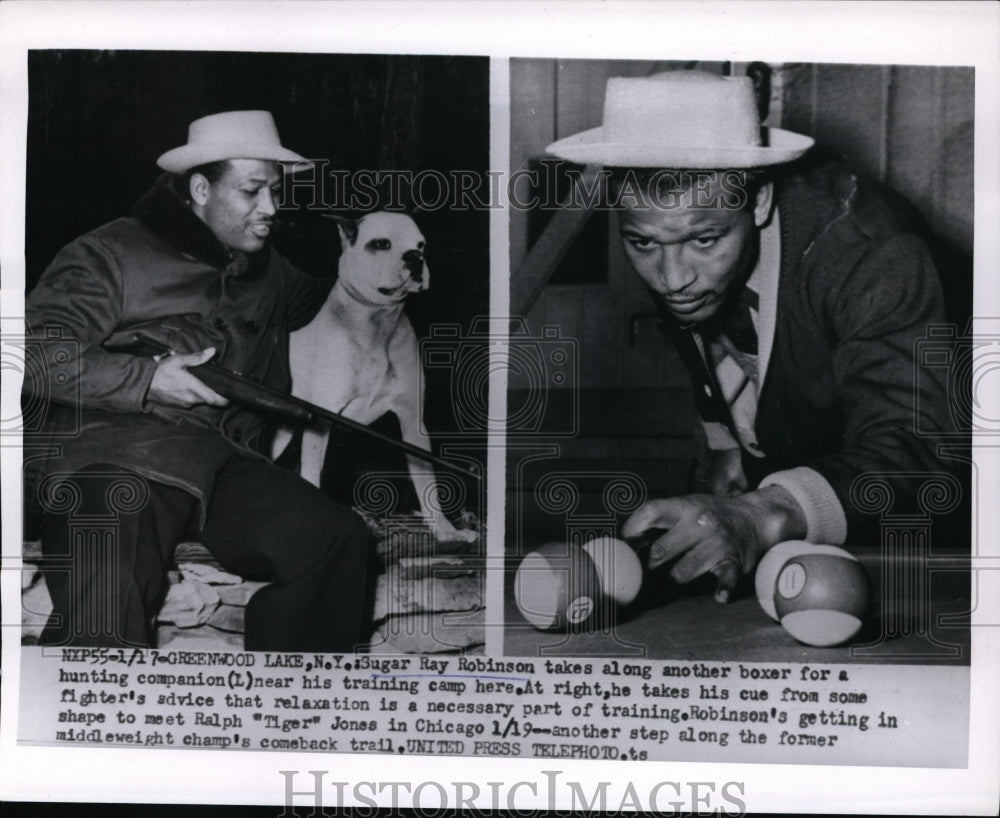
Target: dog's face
(383, 256)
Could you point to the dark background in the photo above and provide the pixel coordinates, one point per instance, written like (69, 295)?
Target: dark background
(98, 120)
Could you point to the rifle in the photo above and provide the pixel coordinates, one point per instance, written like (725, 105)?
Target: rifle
(267, 401)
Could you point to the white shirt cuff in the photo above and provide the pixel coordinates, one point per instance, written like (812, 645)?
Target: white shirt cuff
(825, 520)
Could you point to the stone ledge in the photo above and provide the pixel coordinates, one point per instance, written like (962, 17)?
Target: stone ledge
(429, 599)
(396, 596)
(188, 604)
(431, 633)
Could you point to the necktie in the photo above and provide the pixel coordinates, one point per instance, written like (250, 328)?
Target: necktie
(739, 329)
(731, 352)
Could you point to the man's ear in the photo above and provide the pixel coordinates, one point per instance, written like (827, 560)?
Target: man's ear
(199, 187)
(762, 207)
(348, 227)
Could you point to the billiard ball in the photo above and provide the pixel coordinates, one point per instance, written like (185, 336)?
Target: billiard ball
(774, 560)
(564, 587)
(822, 598)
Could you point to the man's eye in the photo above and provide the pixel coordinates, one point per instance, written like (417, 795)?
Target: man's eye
(705, 242)
(640, 242)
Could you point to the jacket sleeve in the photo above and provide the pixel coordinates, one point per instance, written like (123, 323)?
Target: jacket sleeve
(877, 315)
(75, 306)
(304, 295)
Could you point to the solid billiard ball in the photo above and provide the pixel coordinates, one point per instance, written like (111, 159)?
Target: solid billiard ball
(565, 587)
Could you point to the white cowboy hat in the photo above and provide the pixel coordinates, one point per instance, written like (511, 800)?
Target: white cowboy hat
(681, 119)
(231, 135)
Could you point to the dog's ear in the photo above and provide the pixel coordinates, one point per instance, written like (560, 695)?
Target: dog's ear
(348, 227)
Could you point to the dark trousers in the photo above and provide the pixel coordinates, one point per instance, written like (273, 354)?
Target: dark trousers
(106, 568)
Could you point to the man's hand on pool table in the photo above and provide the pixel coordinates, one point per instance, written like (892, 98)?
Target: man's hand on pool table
(725, 536)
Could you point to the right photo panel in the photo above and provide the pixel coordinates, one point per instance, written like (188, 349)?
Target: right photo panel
(740, 402)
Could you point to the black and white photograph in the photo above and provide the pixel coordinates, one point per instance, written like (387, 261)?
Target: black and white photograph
(583, 407)
(234, 258)
(759, 319)
(761, 453)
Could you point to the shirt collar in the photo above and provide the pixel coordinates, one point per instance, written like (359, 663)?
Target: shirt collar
(764, 277)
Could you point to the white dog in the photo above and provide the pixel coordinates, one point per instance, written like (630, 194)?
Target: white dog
(359, 357)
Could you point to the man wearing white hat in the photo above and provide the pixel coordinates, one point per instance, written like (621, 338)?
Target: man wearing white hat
(795, 299)
(191, 271)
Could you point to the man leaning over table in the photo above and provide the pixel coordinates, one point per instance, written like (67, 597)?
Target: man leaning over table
(795, 298)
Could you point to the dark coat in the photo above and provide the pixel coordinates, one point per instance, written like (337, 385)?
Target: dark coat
(857, 291)
(162, 273)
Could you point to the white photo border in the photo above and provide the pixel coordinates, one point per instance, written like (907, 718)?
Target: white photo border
(898, 33)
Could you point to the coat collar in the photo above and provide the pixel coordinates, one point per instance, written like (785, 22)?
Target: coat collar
(169, 217)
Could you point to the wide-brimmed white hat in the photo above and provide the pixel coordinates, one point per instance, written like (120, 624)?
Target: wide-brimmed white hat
(681, 119)
(231, 135)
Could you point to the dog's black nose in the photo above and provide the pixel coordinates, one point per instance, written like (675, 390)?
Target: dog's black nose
(414, 261)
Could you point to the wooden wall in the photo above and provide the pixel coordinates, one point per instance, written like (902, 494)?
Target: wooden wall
(910, 127)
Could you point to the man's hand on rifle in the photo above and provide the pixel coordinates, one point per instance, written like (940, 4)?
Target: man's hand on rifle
(173, 385)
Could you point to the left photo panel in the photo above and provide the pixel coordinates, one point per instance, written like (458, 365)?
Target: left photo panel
(252, 289)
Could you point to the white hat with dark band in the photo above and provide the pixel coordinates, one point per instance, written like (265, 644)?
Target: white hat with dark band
(231, 135)
(681, 119)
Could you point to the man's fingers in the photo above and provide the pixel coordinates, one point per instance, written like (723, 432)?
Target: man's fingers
(205, 394)
(699, 560)
(202, 393)
(727, 572)
(675, 542)
(652, 514)
(702, 539)
(699, 557)
(658, 551)
(174, 385)
(193, 394)
(195, 358)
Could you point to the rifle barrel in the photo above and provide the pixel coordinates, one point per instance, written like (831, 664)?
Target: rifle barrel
(300, 412)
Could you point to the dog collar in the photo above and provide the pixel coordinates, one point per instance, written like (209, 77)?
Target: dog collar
(360, 298)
